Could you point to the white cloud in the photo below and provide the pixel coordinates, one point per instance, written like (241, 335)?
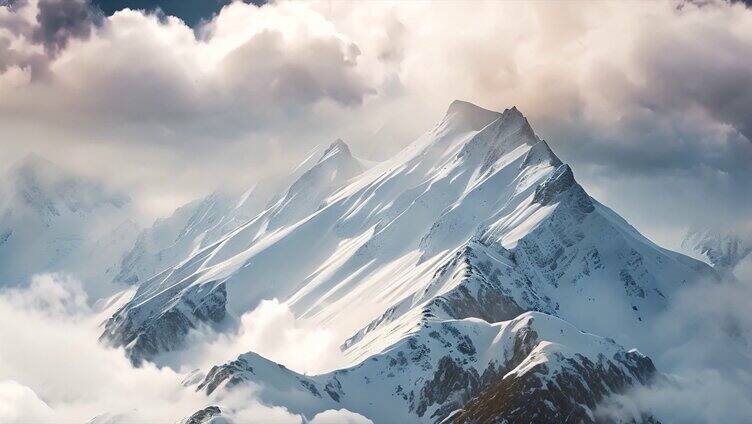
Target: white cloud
(703, 343)
(272, 331)
(146, 97)
(342, 416)
(53, 351)
(702, 397)
(19, 404)
(743, 270)
(53, 370)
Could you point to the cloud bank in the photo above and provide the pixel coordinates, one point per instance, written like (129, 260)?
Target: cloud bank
(53, 370)
(703, 343)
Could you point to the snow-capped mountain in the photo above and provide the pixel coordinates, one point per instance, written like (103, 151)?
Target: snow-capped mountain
(150, 327)
(476, 215)
(476, 222)
(202, 222)
(52, 220)
(719, 248)
(536, 367)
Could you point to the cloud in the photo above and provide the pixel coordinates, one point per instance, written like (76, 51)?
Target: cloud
(703, 343)
(53, 352)
(53, 370)
(19, 404)
(148, 89)
(62, 20)
(272, 331)
(642, 100)
(342, 416)
(743, 270)
(141, 69)
(703, 397)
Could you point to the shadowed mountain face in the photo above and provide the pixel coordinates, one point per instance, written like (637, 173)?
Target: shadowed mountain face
(477, 222)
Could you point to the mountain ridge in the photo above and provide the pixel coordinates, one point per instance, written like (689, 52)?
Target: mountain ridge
(498, 182)
(431, 374)
(477, 220)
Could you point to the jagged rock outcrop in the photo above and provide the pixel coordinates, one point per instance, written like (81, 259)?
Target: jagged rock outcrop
(570, 394)
(146, 332)
(203, 416)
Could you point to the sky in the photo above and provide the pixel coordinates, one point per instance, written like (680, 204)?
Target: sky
(192, 12)
(167, 101)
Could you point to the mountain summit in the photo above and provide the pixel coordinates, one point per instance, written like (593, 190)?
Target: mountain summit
(419, 265)
(464, 115)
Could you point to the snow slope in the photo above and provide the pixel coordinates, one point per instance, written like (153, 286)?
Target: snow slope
(476, 218)
(190, 228)
(162, 312)
(202, 222)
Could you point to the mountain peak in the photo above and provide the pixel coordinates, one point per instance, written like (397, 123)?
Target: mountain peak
(464, 106)
(338, 146)
(514, 115)
(722, 248)
(338, 151)
(466, 116)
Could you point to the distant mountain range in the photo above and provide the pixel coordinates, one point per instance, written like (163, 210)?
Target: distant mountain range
(720, 248)
(51, 220)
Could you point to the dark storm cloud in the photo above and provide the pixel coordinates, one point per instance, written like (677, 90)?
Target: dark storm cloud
(62, 20)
